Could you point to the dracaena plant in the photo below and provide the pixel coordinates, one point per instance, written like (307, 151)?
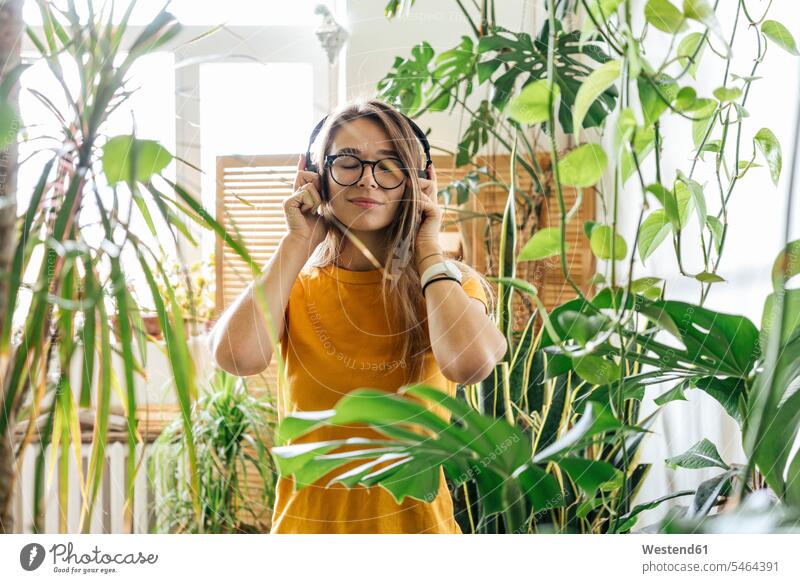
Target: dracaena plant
(231, 432)
(598, 354)
(92, 180)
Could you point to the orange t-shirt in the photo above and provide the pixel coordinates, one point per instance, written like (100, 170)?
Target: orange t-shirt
(338, 338)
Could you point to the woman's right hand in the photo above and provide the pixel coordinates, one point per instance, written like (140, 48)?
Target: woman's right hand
(301, 208)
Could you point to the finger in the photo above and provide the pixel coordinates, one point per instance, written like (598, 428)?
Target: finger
(310, 196)
(316, 196)
(304, 176)
(427, 188)
(301, 165)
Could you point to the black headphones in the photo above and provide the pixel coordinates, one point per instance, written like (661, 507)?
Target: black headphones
(420, 135)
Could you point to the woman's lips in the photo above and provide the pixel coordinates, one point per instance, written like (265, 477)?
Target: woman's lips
(365, 204)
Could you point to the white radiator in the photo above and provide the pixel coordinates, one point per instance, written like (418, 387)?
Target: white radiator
(107, 514)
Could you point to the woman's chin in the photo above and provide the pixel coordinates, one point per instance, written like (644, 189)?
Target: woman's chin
(364, 223)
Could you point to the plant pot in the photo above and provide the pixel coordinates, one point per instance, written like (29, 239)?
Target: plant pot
(152, 326)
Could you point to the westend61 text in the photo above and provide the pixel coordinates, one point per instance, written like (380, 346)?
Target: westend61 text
(675, 550)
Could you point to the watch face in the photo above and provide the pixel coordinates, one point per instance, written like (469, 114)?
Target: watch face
(452, 269)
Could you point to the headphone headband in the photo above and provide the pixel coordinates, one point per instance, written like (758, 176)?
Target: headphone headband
(419, 133)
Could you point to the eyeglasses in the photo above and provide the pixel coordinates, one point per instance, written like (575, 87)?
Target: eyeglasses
(347, 169)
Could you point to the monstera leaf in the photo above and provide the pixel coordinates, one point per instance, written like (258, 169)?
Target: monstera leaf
(519, 54)
(490, 451)
(426, 81)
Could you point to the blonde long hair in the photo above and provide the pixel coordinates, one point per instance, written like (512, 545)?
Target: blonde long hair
(401, 282)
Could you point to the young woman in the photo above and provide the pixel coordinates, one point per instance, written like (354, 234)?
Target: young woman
(346, 276)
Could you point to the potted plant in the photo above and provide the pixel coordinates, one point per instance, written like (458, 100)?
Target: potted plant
(231, 433)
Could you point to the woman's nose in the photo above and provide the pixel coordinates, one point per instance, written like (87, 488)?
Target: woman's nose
(368, 168)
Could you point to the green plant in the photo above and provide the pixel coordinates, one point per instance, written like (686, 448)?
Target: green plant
(231, 430)
(81, 280)
(194, 287)
(603, 351)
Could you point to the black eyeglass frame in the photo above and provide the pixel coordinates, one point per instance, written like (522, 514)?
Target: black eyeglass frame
(330, 158)
(426, 147)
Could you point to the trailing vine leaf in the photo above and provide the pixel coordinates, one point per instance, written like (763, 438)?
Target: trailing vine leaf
(544, 243)
(601, 10)
(708, 277)
(727, 93)
(624, 128)
(701, 11)
(690, 51)
(649, 287)
(664, 16)
(695, 190)
(643, 143)
(652, 233)
(702, 454)
(770, 148)
(531, 106)
(583, 166)
(715, 228)
(600, 243)
(780, 35)
(655, 95)
(595, 85)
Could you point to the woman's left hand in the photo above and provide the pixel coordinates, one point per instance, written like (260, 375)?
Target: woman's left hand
(432, 213)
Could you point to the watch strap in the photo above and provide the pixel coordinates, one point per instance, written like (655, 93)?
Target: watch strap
(439, 278)
(440, 267)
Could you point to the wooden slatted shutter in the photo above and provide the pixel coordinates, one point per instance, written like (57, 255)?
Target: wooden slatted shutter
(251, 190)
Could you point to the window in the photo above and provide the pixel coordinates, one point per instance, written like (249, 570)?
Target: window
(251, 109)
(195, 12)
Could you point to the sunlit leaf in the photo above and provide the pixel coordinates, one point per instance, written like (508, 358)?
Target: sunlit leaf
(151, 158)
(600, 243)
(690, 51)
(583, 166)
(780, 35)
(544, 243)
(770, 148)
(531, 106)
(664, 16)
(595, 85)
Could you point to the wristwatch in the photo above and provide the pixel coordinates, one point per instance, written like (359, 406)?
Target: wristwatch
(441, 268)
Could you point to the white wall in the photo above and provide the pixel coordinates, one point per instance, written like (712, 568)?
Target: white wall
(756, 213)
